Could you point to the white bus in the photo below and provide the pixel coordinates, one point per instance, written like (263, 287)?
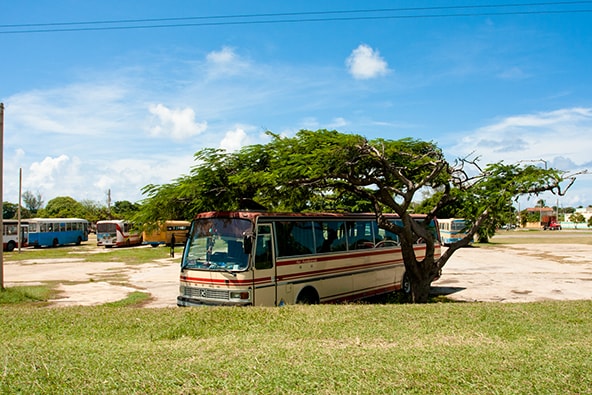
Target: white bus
(10, 236)
(452, 230)
(266, 259)
(117, 233)
(53, 232)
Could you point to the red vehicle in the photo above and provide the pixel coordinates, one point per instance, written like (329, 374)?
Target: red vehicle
(550, 223)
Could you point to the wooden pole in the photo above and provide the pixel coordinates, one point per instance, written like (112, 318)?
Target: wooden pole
(1, 194)
(18, 225)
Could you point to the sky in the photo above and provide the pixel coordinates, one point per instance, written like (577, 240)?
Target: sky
(111, 96)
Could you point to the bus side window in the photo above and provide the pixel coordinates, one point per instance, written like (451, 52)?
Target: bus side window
(294, 238)
(263, 257)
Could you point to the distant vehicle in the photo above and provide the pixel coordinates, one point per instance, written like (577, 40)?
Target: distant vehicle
(452, 230)
(549, 222)
(53, 232)
(117, 233)
(10, 236)
(163, 234)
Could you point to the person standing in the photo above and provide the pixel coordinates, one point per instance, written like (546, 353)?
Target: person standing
(173, 246)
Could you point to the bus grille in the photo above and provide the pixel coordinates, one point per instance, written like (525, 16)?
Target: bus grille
(205, 293)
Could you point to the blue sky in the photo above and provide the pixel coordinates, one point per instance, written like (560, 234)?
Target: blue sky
(116, 106)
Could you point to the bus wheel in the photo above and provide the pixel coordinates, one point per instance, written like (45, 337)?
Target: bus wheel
(308, 296)
(55, 243)
(406, 285)
(79, 241)
(10, 246)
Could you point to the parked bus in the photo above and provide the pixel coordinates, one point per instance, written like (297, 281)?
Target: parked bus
(10, 236)
(117, 233)
(53, 232)
(266, 259)
(452, 230)
(164, 232)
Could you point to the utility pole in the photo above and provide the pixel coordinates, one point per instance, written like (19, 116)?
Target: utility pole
(109, 202)
(18, 225)
(1, 193)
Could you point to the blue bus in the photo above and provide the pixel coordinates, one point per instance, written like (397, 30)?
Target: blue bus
(452, 229)
(53, 232)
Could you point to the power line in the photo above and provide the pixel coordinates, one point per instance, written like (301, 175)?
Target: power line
(124, 24)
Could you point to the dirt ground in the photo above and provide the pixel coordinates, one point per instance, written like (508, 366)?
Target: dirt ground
(520, 273)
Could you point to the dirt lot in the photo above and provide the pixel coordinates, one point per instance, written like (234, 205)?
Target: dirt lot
(520, 273)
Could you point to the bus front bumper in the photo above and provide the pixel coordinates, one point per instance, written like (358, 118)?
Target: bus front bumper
(184, 301)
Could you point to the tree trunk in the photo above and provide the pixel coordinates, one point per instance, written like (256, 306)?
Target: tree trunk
(420, 289)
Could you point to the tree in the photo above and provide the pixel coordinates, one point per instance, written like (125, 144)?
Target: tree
(577, 218)
(9, 210)
(93, 211)
(318, 169)
(63, 207)
(33, 202)
(124, 209)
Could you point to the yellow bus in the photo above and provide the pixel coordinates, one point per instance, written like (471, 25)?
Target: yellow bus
(266, 259)
(164, 232)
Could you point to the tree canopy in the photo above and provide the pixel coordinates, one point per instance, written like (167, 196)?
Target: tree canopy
(327, 170)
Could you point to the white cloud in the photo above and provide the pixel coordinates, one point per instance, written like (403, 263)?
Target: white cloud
(225, 56)
(555, 135)
(175, 123)
(234, 139)
(57, 176)
(225, 63)
(337, 123)
(558, 139)
(77, 109)
(365, 63)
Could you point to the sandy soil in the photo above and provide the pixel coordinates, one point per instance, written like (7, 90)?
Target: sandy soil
(521, 273)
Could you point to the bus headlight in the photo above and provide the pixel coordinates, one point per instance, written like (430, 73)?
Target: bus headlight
(242, 295)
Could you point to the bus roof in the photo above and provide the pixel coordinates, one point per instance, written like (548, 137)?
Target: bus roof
(252, 215)
(54, 220)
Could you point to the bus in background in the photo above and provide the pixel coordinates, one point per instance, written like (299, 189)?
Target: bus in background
(10, 236)
(452, 230)
(117, 233)
(53, 232)
(271, 259)
(164, 232)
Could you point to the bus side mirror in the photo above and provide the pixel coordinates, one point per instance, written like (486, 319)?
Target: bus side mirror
(248, 242)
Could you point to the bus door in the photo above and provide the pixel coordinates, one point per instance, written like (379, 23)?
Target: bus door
(24, 237)
(264, 269)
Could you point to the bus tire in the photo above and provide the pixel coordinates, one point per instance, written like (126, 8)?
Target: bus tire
(308, 295)
(79, 241)
(10, 246)
(55, 242)
(406, 285)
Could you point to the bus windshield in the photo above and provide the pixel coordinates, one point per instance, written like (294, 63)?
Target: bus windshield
(217, 244)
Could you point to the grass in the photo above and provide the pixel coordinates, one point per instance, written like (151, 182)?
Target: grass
(26, 294)
(451, 348)
(448, 348)
(542, 237)
(90, 253)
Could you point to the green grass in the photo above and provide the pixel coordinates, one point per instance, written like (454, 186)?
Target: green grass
(90, 253)
(542, 237)
(467, 348)
(439, 348)
(26, 294)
